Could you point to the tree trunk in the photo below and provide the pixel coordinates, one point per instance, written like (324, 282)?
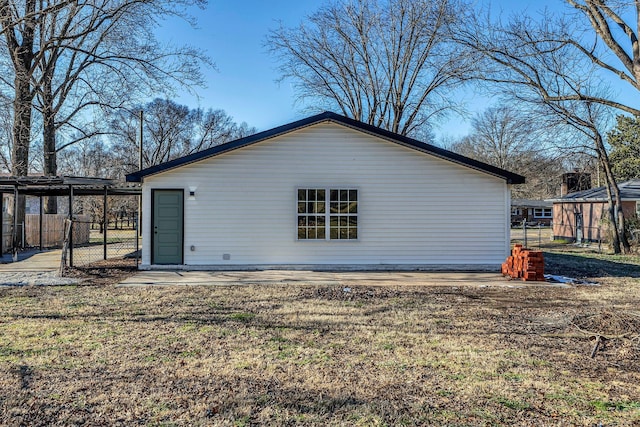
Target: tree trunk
(616, 216)
(19, 42)
(50, 163)
(615, 236)
(21, 127)
(21, 141)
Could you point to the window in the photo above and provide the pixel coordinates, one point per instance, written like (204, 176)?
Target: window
(311, 214)
(516, 212)
(327, 214)
(638, 209)
(542, 213)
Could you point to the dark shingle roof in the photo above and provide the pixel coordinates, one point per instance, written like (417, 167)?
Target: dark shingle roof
(629, 190)
(510, 177)
(531, 203)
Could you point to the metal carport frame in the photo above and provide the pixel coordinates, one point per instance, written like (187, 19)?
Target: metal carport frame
(69, 186)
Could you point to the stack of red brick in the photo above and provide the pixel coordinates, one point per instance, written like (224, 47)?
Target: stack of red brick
(524, 264)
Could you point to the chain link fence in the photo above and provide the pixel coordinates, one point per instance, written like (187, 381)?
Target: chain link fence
(116, 242)
(536, 236)
(100, 236)
(531, 236)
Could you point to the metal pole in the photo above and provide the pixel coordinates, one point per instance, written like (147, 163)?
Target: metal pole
(1, 224)
(104, 222)
(140, 145)
(137, 246)
(71, 226)
(140, 168)
(14, 234)
(41, 213)
(524, 232)
(539, 236)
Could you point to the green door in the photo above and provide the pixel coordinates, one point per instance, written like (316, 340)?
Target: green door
(167, 226)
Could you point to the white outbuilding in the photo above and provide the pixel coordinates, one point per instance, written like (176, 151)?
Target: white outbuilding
(325, 192)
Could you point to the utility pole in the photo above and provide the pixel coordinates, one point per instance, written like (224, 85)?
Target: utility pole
(140, 146)
(140, 168)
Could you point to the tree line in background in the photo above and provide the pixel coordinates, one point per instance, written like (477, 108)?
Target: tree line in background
(74, 75)
(170, 130)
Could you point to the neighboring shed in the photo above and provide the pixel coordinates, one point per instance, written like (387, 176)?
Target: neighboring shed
(325, 192)
(583, 215)
(532, 211)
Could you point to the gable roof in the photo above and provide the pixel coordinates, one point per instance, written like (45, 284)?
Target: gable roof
(629, 190)
(510, 177)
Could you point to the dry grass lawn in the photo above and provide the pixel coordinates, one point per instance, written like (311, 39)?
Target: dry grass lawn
(317, 355)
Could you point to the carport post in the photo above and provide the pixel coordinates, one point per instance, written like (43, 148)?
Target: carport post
(104, 222)
(1, 224)
(71, 226)
(137, 247)
(40, 222)
(14, 236)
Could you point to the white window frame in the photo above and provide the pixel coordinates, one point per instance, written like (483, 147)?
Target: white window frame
(638, 208)
(542, 213)
(327, 214)
(516, 212)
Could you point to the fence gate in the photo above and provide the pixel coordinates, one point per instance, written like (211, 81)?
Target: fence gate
(98, 237)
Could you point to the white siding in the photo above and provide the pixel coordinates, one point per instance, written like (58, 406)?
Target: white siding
(414, 209)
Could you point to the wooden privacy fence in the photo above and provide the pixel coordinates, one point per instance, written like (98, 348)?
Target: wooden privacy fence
(53, 229)
(7, 226)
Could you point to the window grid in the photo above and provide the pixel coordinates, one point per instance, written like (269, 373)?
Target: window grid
(343, 218)
(311, 214)
(327, 214)
(542, 213)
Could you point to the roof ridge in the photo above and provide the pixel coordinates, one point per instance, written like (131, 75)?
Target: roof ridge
(510, 177)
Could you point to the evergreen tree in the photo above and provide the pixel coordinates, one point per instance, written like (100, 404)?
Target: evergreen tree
(624, 140)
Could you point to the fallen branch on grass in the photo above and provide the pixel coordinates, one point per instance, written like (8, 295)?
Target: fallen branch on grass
(603, 326)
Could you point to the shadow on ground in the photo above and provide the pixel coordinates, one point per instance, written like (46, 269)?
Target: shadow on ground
(582, 267)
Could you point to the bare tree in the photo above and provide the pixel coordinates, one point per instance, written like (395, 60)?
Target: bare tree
(100, 54)
(389, 63)
(612, 45)
(18, 23)
(538, 63)
(6, 124)
(511, 139)
(171, 130)
(500, 134)
(88, 158)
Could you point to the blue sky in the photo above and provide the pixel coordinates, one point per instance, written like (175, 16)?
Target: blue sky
(244, 84)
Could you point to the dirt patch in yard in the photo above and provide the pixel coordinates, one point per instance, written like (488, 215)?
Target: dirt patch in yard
(319, 355)
(350, 293)
(107, 272)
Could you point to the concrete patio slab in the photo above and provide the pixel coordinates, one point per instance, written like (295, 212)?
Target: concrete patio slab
(286, 277)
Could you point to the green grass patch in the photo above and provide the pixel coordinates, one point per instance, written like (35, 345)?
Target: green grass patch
(603, 405)
(242, 317)
(516, 405)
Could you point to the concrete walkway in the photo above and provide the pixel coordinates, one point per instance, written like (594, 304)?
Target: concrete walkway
(286, 277)
(49, 261)
(32, 261)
